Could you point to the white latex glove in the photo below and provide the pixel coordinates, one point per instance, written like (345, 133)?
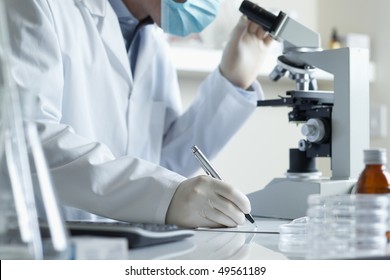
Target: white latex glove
(244, 53)
(203, 201)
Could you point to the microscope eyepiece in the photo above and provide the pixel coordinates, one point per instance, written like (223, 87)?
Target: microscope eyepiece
(255, 13)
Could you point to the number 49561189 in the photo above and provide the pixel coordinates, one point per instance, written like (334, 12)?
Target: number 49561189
(237, 270)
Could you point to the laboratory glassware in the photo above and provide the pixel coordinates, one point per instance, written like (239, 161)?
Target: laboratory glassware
(25, 184)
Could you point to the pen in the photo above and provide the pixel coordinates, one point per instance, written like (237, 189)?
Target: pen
(210, 170)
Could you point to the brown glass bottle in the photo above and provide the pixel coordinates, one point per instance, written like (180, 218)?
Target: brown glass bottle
(375, 178)
(335, 40)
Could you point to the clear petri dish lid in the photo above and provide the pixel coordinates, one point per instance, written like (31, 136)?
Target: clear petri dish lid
(370, 230)
(381, 201)
(293, 236)
(293, 229)
(372, 215)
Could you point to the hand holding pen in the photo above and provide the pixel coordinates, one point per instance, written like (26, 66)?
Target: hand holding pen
(210, 170)
(203, 201)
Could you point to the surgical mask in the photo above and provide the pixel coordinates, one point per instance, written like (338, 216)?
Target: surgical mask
(192, 16)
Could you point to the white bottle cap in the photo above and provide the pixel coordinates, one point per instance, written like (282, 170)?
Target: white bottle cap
(375, 156)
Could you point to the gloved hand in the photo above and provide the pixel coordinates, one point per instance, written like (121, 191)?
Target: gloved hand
(207, 202)
(244, 53)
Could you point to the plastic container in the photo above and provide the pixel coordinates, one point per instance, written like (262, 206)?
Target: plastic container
(293, 237)
(347, 226)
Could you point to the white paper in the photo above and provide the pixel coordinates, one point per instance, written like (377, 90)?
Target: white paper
(270, 226)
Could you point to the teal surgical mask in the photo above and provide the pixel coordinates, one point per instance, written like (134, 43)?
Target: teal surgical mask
(192, 16)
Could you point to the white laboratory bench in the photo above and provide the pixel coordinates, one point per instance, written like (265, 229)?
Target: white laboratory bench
(220, 245)
(215, 244)
(206, 244)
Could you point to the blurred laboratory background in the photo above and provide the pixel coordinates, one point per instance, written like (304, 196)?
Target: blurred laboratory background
(260, 151)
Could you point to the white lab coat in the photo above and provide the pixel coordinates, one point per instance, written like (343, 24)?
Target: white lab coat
(107, 131)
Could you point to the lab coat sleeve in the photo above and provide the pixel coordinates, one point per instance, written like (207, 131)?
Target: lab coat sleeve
(217, 113)
(89, 177)
(85, 173)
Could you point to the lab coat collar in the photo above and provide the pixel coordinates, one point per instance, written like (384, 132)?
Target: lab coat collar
(113, 43)
(95, 7)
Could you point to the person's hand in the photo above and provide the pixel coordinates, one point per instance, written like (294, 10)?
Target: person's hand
(244, 53)
(206, 202)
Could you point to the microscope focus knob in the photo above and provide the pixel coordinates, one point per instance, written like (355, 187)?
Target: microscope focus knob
(303, 145)
(314, 130)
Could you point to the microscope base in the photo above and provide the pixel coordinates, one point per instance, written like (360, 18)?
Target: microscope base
(287, 198)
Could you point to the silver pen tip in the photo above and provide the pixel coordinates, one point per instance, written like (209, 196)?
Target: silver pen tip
(194, 149)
